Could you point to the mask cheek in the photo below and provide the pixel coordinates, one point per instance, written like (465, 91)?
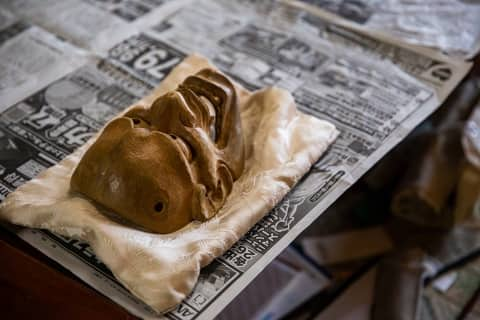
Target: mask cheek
(167, 205)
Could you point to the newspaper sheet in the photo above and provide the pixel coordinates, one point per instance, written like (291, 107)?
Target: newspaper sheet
(449, 25)
(374, 91)
(89, 23)
(30, 57)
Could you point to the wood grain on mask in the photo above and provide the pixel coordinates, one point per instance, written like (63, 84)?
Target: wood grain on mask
(173, 162)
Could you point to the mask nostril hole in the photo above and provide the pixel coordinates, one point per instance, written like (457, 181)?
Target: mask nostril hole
(158, 207)
(136, 121)
(174, 137)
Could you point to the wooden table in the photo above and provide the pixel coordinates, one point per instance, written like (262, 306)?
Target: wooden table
(33, 285)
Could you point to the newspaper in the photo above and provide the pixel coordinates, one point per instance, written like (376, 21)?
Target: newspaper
(90, 23)
(449, 25)
(286, 283)
(374, 91)
(19, 73)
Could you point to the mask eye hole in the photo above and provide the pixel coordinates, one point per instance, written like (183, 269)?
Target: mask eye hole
(140, 122)
(158, 207)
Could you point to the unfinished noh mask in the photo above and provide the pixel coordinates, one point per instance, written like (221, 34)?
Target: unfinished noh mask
(174, 162)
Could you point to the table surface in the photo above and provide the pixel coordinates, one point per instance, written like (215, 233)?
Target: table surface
(32, 284)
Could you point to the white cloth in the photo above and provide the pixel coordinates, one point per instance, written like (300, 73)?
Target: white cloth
(281, 145)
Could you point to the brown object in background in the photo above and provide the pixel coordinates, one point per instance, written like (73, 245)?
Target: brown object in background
(164, 166)
(471, 138)
(432, 176)
(387, 172)
(399, 285)
(430, 180)
(468, 192)
(459, 105)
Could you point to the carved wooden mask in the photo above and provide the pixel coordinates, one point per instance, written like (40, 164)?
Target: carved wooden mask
(164, 166)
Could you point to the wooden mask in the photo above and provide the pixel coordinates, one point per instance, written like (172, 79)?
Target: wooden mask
(164, 166)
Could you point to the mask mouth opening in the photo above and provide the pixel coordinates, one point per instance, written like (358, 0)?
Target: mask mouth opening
(212, 112)
(213, 97)
(208, 104)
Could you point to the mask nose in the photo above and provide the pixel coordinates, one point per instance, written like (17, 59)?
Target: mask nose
(169, 111)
